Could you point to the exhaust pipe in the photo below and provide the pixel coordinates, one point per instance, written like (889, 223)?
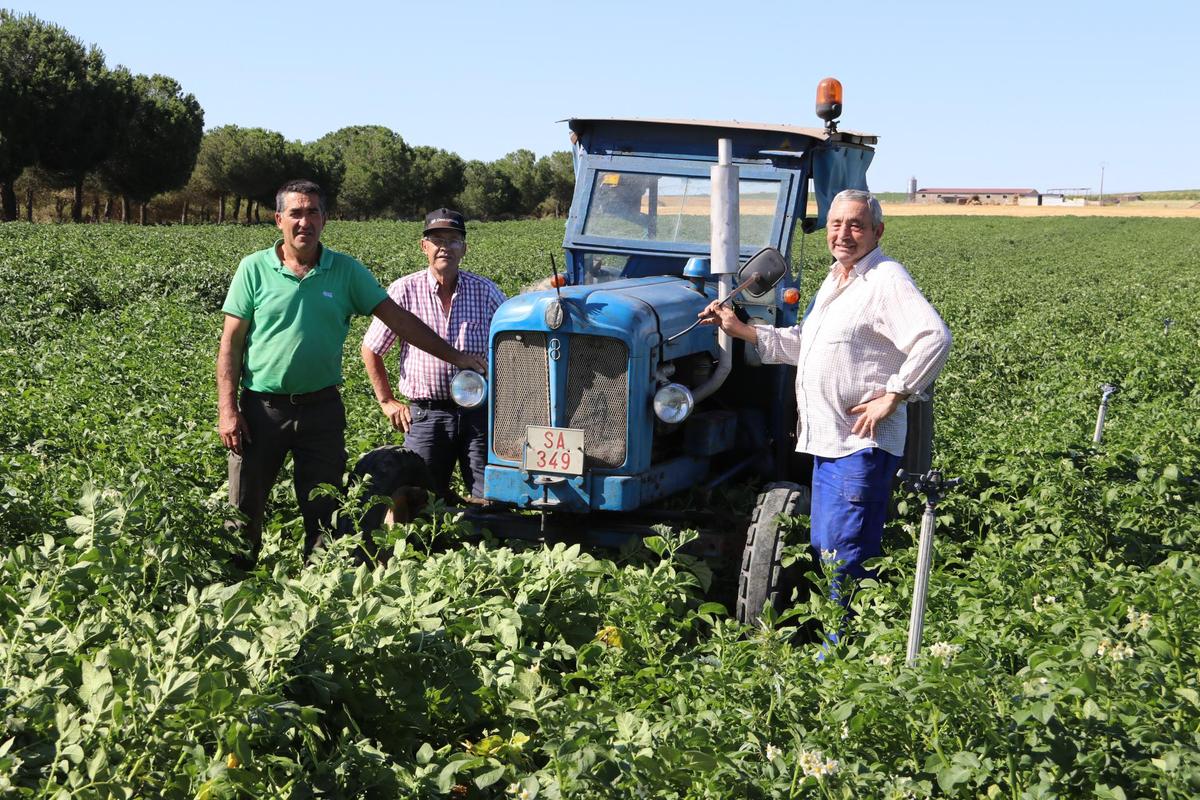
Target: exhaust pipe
(725, 246)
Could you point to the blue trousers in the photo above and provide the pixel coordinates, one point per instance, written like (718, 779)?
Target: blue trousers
(850, 497)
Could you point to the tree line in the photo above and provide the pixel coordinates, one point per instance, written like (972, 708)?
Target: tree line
(73, 128)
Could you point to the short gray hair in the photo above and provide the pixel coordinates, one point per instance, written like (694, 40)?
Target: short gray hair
(861, 196)
(300, 186)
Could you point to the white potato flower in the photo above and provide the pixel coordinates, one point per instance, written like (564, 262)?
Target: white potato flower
(1117, 651)
(1139, 620)
(1042, 603)
(814, 764)
(945, 651)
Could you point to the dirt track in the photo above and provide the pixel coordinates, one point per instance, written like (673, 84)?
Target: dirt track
(1142, 209)
(1164, 208)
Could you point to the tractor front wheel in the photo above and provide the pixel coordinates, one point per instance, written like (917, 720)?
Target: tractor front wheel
(763, 578)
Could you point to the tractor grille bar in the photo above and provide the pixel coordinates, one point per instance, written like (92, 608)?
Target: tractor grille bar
(597, 397)
(522, 385)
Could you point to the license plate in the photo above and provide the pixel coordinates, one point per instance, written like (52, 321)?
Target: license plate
(553, 450)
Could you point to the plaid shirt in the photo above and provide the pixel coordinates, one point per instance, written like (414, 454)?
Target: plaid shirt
(475, 300)
(875, 334)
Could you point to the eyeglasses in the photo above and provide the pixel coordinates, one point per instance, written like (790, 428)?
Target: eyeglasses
(446, 242)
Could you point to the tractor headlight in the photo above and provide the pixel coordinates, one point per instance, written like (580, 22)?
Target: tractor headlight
(469, 389)
(673, 403)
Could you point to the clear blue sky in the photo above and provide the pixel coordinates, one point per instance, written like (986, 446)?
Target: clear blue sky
(1007, 94)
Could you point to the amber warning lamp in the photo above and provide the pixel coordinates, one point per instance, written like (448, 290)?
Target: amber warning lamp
(829, 102)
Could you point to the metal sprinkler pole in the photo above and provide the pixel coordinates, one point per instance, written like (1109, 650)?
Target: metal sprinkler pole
(932, 485)
(1106, 391)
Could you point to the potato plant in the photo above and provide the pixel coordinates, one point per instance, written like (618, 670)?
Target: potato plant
(1062, 642)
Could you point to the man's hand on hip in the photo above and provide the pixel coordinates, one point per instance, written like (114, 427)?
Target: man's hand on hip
(234, 431)
(874, 412)
(398, 413)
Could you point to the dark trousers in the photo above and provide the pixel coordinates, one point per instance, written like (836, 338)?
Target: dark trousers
(315, 435)
(448, 436)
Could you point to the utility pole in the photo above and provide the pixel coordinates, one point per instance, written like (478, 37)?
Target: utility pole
(1102, 183)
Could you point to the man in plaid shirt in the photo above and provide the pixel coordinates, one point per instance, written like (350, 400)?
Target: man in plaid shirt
(870, 343)
(458, 306)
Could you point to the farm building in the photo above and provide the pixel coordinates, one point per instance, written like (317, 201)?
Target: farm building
(974, 196)
(1051, 199)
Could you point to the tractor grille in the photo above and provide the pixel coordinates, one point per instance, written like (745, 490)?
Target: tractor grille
(522, 385)
(597, 393)
(597, 397)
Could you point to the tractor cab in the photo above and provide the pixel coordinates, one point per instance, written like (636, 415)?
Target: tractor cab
(643, 193)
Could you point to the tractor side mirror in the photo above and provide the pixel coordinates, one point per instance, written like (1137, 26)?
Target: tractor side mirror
(760, 274)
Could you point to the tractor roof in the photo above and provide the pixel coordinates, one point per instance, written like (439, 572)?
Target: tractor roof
(648, 132)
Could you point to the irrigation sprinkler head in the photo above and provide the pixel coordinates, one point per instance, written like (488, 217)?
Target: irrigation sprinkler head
(932, 484)
(1107, 390)
(1167, 323)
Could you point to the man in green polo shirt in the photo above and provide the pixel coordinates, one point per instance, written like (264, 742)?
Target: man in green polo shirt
(286, 318)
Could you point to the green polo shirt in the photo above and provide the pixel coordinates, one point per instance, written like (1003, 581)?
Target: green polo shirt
(298, 327)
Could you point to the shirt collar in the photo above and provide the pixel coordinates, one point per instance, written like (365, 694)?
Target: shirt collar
(324, 260)
(865, 263)
(433, 284)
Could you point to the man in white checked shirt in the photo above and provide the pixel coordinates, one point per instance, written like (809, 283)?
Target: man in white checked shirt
(458, 306)
(870, 343)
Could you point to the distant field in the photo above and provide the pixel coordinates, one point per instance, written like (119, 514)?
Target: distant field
(1177, 194)
(1162, 204)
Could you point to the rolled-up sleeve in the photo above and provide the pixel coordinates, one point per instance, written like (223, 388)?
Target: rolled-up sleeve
(917, 330)
(379, 338)
(778, 345)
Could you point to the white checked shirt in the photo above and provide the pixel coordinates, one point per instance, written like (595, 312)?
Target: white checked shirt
(475, 300)
(875, 334)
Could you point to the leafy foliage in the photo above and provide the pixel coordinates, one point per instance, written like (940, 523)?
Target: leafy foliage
(1062, 646)
(158, 150)
(372, 166)
(43, 72)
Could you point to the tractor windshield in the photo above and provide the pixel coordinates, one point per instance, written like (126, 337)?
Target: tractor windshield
(674, 208)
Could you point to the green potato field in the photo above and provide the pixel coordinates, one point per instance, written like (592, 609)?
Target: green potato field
(1062, 640)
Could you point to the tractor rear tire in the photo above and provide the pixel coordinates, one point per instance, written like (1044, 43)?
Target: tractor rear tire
(763, 578)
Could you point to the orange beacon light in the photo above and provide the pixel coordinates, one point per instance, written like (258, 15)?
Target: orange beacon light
(829, 102)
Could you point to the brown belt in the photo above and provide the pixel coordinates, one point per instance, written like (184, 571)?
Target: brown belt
(305, 399)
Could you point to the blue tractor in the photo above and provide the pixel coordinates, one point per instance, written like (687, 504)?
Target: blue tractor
(603, 399)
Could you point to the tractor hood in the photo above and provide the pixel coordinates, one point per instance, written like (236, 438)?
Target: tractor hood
(639, 311)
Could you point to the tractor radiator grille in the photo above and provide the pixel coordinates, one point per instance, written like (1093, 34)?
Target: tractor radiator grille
(597, 393)
(597, 397)
(522, 385)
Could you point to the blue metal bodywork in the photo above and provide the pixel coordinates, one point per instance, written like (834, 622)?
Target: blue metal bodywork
(652, 299)
(641, 313)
